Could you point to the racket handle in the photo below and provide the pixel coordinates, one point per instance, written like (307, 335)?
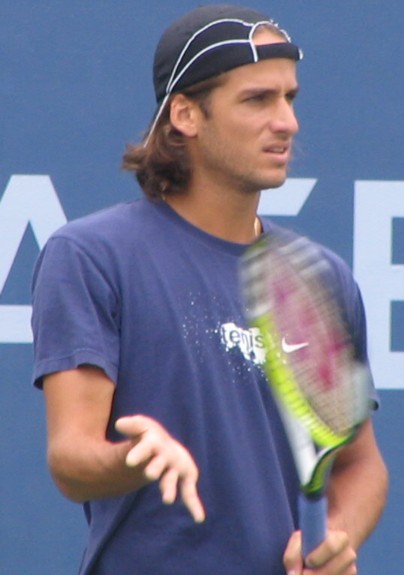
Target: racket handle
(313, 522)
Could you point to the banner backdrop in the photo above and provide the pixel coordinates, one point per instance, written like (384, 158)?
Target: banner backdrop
(75, 88)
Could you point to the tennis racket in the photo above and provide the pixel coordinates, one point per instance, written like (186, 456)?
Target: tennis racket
(321, 392)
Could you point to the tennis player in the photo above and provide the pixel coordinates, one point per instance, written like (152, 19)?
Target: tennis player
(159, 417)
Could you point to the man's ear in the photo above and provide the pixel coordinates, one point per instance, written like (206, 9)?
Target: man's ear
(185, 115)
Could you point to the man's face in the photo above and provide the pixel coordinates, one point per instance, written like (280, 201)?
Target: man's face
(245, 141)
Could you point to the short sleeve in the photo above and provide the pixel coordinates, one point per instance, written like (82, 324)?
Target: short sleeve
(76, 312)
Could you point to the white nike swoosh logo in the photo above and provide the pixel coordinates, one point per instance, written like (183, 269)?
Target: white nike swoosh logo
(291, 347)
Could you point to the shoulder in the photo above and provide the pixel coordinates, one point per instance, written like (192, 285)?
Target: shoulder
(104, 239)
(108, 224)
(116, 231)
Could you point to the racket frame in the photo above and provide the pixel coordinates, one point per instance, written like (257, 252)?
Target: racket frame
(314, 444)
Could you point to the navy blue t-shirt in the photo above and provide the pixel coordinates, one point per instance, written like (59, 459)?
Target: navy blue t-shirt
(154, 302)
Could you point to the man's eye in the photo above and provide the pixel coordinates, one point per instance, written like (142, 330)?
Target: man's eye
(257, 98)
(291, 97)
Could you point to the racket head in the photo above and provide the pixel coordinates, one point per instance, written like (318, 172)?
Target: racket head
(309, 363)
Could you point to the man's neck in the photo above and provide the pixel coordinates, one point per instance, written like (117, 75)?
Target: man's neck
(231, 217)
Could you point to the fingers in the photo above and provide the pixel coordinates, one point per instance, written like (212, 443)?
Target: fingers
(189, 494)
(164, 460)
(155, 469)
(168, 486)
(335, 543)
(334, 556)
(191, 499)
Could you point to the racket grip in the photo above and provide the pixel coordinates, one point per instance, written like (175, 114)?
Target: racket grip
(313, 522)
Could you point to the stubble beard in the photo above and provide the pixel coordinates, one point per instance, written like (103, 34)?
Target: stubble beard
(235, 172)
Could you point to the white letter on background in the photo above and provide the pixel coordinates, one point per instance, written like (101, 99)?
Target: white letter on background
(381, 281)
(27, 200)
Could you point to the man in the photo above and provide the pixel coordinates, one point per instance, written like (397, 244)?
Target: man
(153, 395)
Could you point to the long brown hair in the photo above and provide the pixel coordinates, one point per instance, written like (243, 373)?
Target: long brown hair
(161, 162)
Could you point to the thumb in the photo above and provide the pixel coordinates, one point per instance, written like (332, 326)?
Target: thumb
(133, 425)
(292, 558)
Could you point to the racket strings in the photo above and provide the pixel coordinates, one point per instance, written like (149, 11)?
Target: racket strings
(306, 311)
(310, 352)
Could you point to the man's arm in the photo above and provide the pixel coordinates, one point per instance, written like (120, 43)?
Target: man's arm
(357, 496)
(85, 465)
(358, 487)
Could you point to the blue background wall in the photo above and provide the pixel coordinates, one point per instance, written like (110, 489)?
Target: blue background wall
(75, 87)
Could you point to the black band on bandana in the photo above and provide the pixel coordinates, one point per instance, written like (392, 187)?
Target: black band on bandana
(224, 58)
(281, 50)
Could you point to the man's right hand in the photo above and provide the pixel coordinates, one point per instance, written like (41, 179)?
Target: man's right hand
(165, 460)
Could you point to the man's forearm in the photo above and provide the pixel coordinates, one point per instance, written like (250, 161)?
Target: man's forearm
(358, 488)
(94, 471)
